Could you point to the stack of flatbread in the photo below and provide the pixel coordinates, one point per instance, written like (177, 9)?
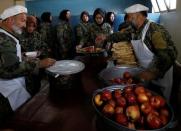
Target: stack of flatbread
(123, 53)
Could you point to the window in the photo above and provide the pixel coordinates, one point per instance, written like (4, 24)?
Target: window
(171, 4)
(163, 5)
(155, 6)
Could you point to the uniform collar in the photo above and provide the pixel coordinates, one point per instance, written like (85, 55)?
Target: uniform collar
(10, 33)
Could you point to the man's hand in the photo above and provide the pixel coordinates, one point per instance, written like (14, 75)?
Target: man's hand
(47, 62)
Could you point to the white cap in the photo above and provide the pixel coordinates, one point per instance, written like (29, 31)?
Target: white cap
(136, 8)
(13, 10)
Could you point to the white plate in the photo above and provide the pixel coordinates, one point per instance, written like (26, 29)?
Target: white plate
(66, 67)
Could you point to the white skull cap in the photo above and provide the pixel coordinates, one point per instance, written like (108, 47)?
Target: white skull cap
(13, 10)
(136, 8)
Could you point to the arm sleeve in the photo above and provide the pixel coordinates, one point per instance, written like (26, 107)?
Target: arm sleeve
(10, 67)
(165, 52)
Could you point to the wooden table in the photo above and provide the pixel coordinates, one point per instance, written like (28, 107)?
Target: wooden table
(69, 110)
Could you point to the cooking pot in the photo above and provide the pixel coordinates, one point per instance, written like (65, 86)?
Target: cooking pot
(64, 74)
(104, 123)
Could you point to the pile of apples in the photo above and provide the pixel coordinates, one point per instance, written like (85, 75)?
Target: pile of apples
(127, 78)
(134, 107)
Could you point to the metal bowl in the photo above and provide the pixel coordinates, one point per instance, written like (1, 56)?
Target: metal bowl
(108, 74)
(114, 126)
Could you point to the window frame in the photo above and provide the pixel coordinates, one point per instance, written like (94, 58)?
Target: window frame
(159, 8)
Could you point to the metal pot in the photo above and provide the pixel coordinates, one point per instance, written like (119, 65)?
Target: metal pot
(65, 74)
(106, 123)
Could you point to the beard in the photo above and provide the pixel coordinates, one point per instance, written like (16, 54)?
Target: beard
(17, 30)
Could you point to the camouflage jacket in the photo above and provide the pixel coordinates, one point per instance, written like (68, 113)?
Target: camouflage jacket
(64, 36)
(33, 42)
(159, 41)
(96, 30)
(82, 32)
(47, 32)
(10, 67)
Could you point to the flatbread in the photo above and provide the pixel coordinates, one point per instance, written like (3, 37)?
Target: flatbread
(123, 53)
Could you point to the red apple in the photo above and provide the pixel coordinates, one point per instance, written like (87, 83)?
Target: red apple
(148, 93)
(131, 99)
(122, 119)
(118, 81)
(117, 93)
(106, 95)
(127, 75)
(108, 110)
(121, 101)
(133, 113)
(129, 81)
(155, 112)
(157, 102)
(112, 102)
(164, 119)
(119, 110)
(146, 108)
(162, 101)
(139, 89)
(142, 98)
(128, 90)
(97, 100)
(153, 121)
(164, 112)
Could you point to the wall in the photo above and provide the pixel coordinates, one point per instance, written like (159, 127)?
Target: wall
(77, 6)
(7, 3)
(20, 2)
(171, 21)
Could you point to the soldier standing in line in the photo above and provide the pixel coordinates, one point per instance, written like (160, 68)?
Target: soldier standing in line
(82, 30)
(99, 27)
(47, 31)
(31, 40)
(64, 34)
(110, 17)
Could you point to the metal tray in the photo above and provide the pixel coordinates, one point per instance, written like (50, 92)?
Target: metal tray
(108, 123)
(66, 67)
(110, 73)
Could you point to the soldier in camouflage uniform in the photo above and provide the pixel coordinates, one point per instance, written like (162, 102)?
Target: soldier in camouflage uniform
(31, 40)
(64, 34)
(99, 27)
(13, 70)
(47, 31)
(153, 48)
(82, 30)
(110, 17)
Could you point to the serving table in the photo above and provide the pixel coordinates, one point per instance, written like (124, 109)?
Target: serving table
(67, 110)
